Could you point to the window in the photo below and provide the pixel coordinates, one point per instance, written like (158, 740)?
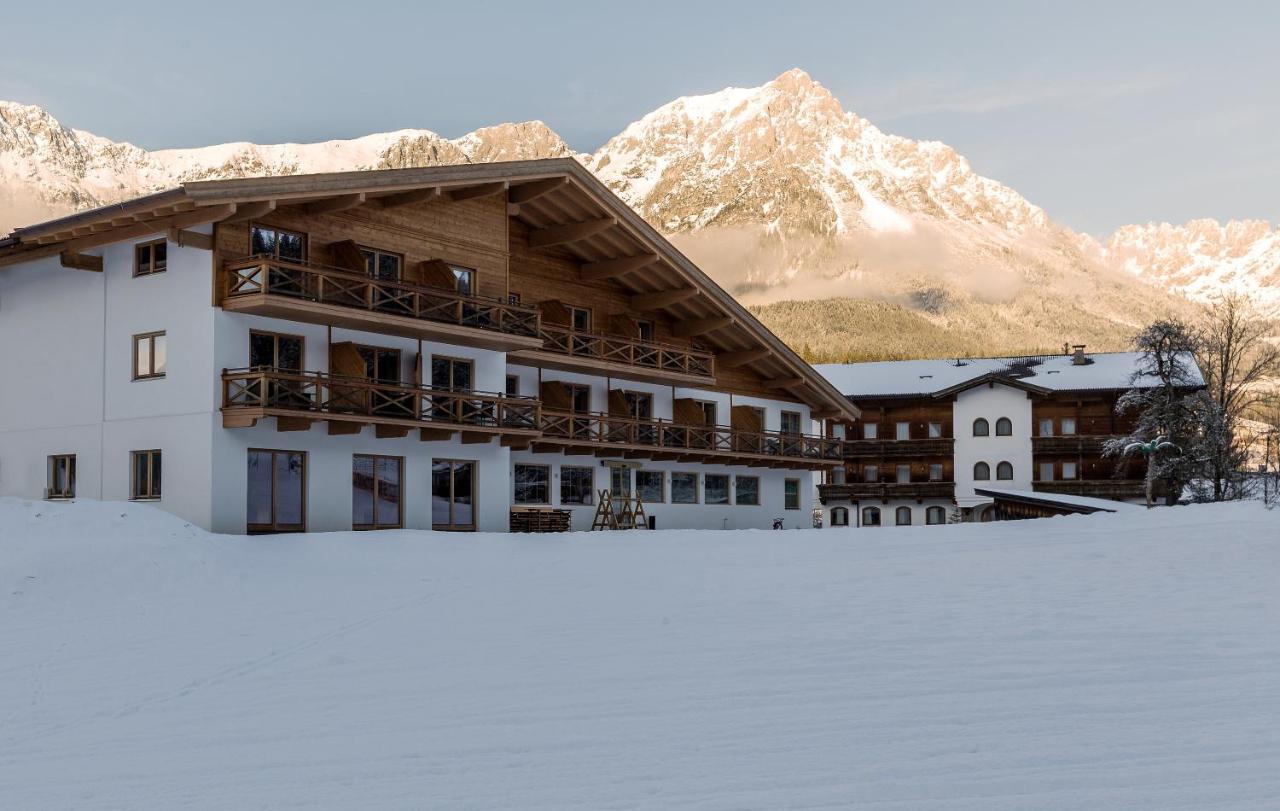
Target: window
(902, 431)
(870, 473)
(1068, 425)
(791, 423)
(709, 415)
(465, 278)
(275, 351)
(935, 430)
(577, 485)
(149, 356)
(61, 481)
(982, 472)
(382, 265)
(791, 496)
(580, 319)
(871, 516)
(533, 484)
(839, 516)
(1046, 471)
(145, 475)
(277, 486)
(904, 474)
(267, 240)
(620, 482)
(1046, 427)
(935, 473)
(870, 430)
(382, 365)
(836, 476)
(684, 488)
(454, 374)
(513, 299)
(639, 404)
(513, 386)
(579, 403)
(1004, 427)
(715, 488)
(150, 257)
(1068, 470)
(453, 494)
(981, 427)
(376, 492)
(649, 486)
(644, 330)
(746, 490)
(902, 516)
(935, 515)
(1004, 472)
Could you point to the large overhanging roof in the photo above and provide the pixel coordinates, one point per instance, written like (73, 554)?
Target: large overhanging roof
(563, 204)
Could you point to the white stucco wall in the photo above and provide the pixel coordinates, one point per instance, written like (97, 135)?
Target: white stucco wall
(991, 403)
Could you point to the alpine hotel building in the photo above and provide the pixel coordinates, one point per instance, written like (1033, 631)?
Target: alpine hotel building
(421, 348)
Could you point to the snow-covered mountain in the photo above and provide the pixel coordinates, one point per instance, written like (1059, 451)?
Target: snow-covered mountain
(777, 190)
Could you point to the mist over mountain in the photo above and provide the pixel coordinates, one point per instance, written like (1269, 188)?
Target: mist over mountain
(895, 247)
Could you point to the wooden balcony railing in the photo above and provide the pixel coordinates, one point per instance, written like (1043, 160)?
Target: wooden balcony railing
(320, 394)
(627, 351)
(1089, 445)
(1097, 488)
(897, 448)
(883, 491)
(308, 281)
(662, 436)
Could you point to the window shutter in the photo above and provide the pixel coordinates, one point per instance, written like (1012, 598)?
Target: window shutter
(687, 412)
(555, 396)
(346, 255)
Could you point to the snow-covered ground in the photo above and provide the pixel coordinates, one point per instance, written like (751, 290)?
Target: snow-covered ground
(1127, 661)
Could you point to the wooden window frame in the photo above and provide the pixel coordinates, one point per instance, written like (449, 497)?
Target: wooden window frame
(697, 486)
(897, 516)
(515, 492)
(1062, 471)
(662, 485)
(872, 428)
(154, 487)
(1000, 465)
(451, 360)
(986, 427)
(573, 311)
(897, 474)
(1062, 426)
(646, 324)
(511, 386)
(984, 465)
(150, 338)
(52, 461)
(941, 470)
(786, 495)
(937, 435)
(866, 511)
(782, 422)
(929, 512)
(377, 253)
(1004, 421)
(870, 474)
(275, 526)
(475, 496)
(150, 247)
(306, 240)
(275, 349)
(728, 489)
(470, 271)
(898, 428)
(399, 524)
(715, 407)
(738, 502)
(839, 516)
(399, 381)
(591, 490)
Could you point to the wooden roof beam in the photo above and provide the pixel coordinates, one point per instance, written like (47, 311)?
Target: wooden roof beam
(732, 360)
(335, 204)
(191, 239)
(249, 211)
(472, 192)
(693, 327)
(199, 216)
(783, 382)
(405, 198)
(81, 261)
(569, 232)
(531, 191)
(662, 298)
(612, 268)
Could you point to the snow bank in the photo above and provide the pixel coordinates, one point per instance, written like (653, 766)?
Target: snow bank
(1110, 661)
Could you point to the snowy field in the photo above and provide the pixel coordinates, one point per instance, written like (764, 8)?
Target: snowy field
(1102, 662)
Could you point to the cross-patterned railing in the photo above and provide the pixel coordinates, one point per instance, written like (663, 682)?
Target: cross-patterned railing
(320, 394)
(313, 282)
(627, 351)
(607, 429)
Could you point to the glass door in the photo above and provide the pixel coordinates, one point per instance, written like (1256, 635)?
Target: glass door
(277, 483)
(453, 501)
(375, 492)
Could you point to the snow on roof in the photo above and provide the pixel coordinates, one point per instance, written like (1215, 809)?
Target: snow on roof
(1062, 498)
(899, 378)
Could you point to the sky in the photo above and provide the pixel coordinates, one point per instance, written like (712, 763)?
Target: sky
(1102, 113)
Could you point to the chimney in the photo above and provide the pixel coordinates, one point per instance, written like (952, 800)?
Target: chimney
(1077, 356)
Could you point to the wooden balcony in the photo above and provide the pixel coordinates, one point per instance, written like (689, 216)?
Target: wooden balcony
(1083, 445)
(1118, 489)
(597, 353)
(318, 294)
(898, 448)
(607, 435)
(884, 491)
(296, 399)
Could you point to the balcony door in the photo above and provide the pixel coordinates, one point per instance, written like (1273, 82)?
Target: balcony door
(277, 485)
(453, 495)
(453, 374)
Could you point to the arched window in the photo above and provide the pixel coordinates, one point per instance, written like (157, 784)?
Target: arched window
(1004, 472)
(839, 516)
(1004, 427)
(982, 472)
(935, 515)
(902, 516)
(981, 427)
(871, 516)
